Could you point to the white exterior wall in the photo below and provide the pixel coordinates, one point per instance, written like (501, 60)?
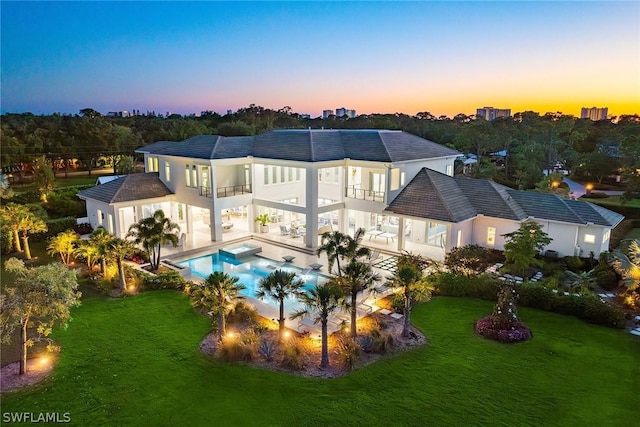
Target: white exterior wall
(466, 228)
(93, 206)
(279, 191)
(480, 230)
(599, 240)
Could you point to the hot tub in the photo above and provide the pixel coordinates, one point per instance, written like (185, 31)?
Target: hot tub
(240, 251)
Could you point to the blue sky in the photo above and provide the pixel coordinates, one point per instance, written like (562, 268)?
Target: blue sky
(443, 57)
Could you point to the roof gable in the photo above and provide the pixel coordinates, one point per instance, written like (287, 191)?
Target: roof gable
(433, 195)
(128, 188)
(436, 196)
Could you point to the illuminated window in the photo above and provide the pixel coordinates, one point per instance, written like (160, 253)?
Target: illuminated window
(187, 175)
(606, 236)
(403, 178)
(149, 164)
(167, 171)
(589, 238)
(450, 170)
(491, 236)
(194, 176)
(156, 168)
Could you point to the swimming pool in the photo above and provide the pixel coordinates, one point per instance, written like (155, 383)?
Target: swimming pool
(250, 270)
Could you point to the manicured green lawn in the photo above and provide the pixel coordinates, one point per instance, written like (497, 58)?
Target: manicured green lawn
(135, 362)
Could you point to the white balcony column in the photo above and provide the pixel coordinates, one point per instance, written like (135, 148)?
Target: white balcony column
(311, 203)
(213, 184)
(343, 225)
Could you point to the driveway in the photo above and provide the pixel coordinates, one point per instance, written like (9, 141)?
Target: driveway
(577, 190)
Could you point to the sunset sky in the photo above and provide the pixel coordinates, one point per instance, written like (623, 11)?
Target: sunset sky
(442, 57)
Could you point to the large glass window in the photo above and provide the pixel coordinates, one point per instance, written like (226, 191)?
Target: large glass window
(436, 234)
(491, 236)
(204, 176)
(376, 182)
(187, 175)
(194, 176)
(167, 171)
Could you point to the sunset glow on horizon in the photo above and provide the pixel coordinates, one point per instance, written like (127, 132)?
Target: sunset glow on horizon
(379, 57)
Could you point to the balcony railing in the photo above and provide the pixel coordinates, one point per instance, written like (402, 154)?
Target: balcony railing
(205, 192)
(233, 190)
(357, 193)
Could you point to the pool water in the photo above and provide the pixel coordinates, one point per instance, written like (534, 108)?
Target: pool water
(250, 270)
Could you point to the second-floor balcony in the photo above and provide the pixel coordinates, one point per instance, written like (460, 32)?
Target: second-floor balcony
(352, 192)
(233, 190)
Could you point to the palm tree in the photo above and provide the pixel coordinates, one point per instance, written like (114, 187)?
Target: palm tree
(280, 285)
(332, 243)
(100, 239)
(152, 233)
(357, 276)
(216, 294)
(322, 300)
(119, 248)
(412, 283)
(63, 244)
(88, 251)
(628, 265)
(339, 246)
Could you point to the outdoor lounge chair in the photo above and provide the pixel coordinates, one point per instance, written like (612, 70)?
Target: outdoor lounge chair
(298, 232)
(285, 230)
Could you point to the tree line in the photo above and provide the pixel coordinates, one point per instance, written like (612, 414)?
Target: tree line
(531, 142)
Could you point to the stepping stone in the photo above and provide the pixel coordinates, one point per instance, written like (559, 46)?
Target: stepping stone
(397, 316)
(288, 258)
(635, 332)
(385, 311)
(637, 318)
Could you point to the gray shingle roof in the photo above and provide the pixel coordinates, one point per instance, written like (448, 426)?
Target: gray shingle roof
(307, 145)
(433, 195)
(128, 188)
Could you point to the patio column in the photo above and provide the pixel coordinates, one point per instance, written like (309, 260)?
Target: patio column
(216, 225)
(401, 227)
(311, 203)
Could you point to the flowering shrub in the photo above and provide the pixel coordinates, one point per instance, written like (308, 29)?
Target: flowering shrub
(503, 324)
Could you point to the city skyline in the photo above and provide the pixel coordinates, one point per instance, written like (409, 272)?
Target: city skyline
(377, 57)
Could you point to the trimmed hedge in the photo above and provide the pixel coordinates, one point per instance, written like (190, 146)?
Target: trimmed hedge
(533, 295)
(55, 227)
(162, 280)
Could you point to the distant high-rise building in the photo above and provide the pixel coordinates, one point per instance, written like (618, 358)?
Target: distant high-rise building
(327, 113)
(345, 112)
(490, 113)
(594, 113)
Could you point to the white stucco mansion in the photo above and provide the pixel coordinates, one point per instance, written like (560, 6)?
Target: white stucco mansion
(397, 186)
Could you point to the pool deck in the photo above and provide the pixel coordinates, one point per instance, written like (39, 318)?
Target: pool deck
(302, 260)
